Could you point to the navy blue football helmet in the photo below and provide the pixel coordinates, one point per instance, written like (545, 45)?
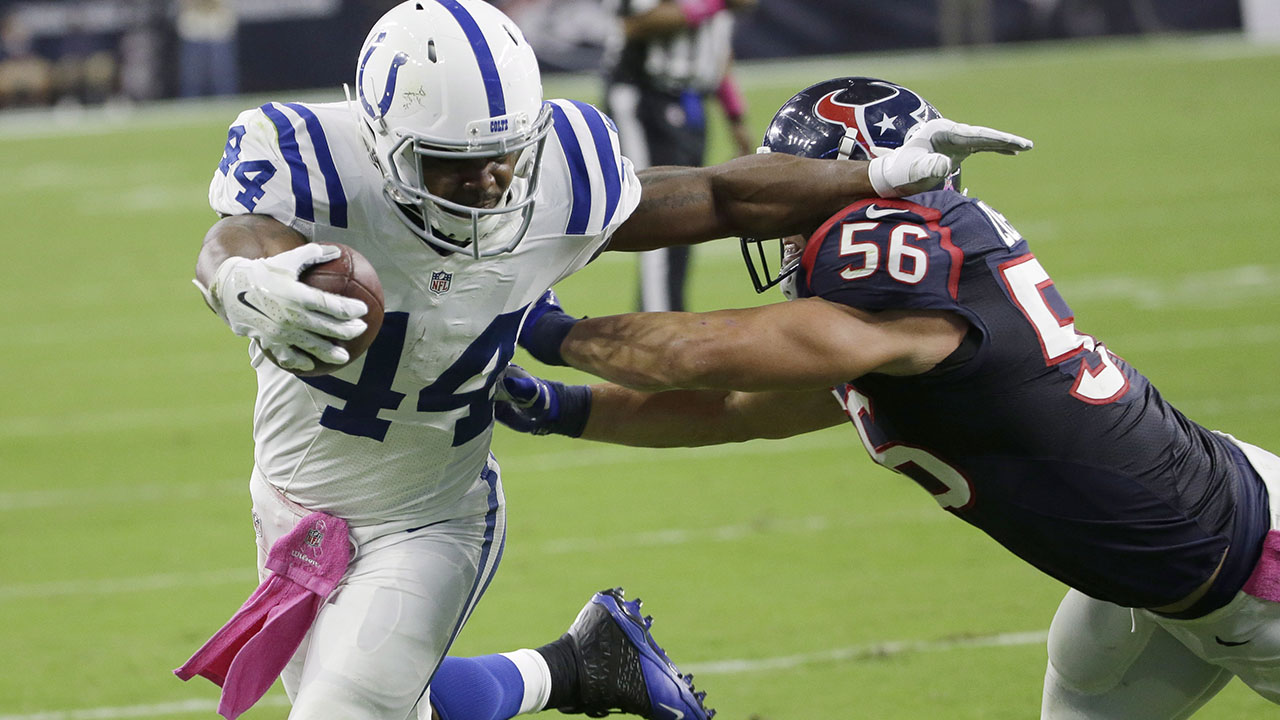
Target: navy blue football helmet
(848, 118)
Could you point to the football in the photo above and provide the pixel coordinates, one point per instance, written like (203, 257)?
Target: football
(350, 275)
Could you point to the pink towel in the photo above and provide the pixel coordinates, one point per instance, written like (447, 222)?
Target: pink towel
(1264, 582)
(247, 655)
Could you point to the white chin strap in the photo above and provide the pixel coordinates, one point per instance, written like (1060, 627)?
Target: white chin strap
(848, 143)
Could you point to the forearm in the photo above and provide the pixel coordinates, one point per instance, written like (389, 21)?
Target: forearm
(680, 418)
(766, 195)
(649, 351)
(751, 350)
(695, 418)
(775, 195)
(250, 236)
(794, 346)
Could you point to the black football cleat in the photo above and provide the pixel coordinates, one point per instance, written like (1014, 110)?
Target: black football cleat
(621, 668)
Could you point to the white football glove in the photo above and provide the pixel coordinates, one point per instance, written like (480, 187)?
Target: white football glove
(294, 322)
(932, 151)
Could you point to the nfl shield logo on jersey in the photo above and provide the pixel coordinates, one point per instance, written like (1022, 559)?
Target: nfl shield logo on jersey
(440, 281)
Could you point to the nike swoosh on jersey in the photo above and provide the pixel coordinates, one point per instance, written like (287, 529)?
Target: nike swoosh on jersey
(874, 212)
(678, 714)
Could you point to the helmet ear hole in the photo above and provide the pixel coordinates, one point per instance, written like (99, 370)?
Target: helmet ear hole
(431, 50)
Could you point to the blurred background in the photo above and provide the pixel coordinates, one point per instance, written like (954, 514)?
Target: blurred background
(85, 52)
(795, 578)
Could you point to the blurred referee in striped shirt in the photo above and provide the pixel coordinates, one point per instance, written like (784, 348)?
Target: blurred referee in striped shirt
(665, 59)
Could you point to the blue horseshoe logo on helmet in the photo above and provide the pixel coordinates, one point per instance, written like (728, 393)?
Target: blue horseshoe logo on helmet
(385, 103)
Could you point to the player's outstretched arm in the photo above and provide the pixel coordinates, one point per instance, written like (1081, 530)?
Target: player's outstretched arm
(677, 418)
(766, 195)
(694, 418)
(790, 346)
(776, 195)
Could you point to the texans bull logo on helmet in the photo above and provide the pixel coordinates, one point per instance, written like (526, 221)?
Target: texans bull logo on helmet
(855, 118)
(875, 115)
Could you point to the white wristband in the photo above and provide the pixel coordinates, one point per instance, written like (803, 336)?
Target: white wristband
(880, 183)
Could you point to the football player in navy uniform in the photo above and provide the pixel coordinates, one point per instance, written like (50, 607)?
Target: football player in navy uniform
(470, 195)
(959, 364)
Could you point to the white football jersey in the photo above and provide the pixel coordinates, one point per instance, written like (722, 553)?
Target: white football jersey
(404, 430)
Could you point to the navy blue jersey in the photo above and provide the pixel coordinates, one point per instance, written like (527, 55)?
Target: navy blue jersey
(1033, 431)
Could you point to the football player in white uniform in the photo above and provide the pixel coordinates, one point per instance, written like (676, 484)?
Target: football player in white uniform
(471, 196)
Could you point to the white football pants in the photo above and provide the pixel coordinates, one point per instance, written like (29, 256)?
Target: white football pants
(405, 596)
(1108, 662)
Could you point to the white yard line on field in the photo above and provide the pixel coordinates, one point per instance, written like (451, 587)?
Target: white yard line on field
(110, 586)
(578, 456)
(734, 666)
(1201, 338)
(96, 587)
(65, 498)
(118, 420)
(1221, 287)
(861, 652)
(181, 707)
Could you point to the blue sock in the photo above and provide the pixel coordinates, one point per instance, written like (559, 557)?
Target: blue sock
(488, 687)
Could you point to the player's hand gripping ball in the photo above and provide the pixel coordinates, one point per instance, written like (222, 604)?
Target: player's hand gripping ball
(350, 275)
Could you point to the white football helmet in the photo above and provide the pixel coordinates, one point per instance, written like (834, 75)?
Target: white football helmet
(452, 79)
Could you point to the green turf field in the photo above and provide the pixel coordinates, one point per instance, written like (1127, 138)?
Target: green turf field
(796, 579)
